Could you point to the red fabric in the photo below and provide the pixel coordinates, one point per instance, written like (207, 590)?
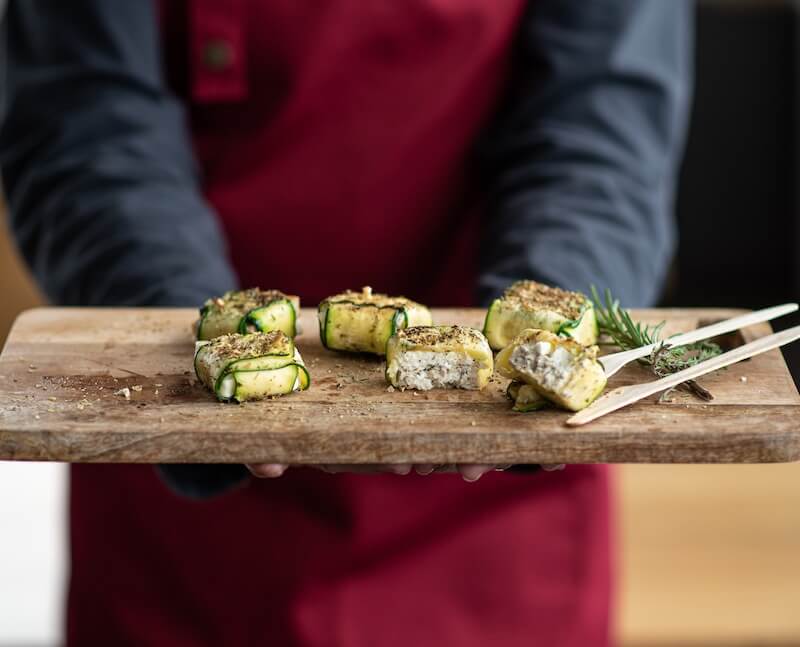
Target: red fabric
(218, 23)
(341, 159)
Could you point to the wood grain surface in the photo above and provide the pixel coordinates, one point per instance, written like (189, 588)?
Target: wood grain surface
(61, 368)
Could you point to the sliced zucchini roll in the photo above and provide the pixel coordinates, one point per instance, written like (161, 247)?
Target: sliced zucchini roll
(438, 357)
(250, 367)
(363, 321)
(247, 311)
(558, 368)
(525, 397)
(528, 304)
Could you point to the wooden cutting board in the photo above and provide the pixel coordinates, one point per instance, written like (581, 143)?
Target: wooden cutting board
(62, 367)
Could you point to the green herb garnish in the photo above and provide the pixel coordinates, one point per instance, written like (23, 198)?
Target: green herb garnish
(622, 331)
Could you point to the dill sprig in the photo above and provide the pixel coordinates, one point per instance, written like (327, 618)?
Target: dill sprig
(618, 326)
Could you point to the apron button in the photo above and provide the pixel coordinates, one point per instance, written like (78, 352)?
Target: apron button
(217, 55)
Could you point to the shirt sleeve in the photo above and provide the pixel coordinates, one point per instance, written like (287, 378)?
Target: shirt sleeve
(99, 174)
(582, 160)
(97, 167)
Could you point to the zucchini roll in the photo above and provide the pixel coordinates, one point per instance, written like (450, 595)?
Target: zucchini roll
(363, 321)
(525, 397)
(247, 311)
(438, 357)
(250, 367)
(527, 304)
(559, 369)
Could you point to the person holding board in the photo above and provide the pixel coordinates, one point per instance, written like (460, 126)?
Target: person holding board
(160, 153)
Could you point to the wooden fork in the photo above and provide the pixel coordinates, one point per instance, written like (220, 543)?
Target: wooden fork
(615, 361)
(626, 395)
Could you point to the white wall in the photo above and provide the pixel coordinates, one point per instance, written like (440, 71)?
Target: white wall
(32, 553)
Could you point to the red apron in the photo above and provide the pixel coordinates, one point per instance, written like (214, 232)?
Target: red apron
(334, 137)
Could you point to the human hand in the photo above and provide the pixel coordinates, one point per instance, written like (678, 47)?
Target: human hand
(469, 472)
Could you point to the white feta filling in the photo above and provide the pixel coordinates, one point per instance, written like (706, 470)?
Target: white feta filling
(227, 387)
(425, 370)
(551, 368)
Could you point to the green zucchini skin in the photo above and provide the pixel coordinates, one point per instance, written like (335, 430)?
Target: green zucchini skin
(388, 320)
(234, 366)
(276, 315)
(363, 322)
(243, 393)
(247, 311)
(526, 403)
(512, 390)
(322, 315)
(541, 308)
(250, 367)
(529, 408)
(569, 327)
(399, 322)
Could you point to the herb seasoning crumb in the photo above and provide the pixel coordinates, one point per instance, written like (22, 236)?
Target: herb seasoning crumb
(530, 294)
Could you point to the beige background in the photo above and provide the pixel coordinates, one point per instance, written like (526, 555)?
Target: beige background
(709, 555)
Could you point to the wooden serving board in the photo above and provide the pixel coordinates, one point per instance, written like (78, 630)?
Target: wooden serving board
(61, 368)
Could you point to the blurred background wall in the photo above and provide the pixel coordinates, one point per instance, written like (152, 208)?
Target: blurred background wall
(33, 546)
(709, 555)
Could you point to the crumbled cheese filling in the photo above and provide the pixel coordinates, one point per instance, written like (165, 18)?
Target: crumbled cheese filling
(551, 368)
(425, 370)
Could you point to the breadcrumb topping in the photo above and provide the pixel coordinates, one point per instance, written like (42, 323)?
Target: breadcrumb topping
(530, 295)
(367, 297)
(440, 335)
(243, 301)
(236, 346)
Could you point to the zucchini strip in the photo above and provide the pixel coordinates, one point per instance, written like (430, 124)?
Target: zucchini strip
(558, 368)
(251, 367)
(363, 322)
(248, 311)
(525, 397)
(527, 304)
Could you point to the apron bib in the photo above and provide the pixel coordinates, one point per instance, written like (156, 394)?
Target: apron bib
(334, 140)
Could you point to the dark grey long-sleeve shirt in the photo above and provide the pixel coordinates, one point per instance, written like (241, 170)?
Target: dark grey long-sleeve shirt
(579, 166)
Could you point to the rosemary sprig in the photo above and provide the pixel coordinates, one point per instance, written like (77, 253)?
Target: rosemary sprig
(616, 323)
